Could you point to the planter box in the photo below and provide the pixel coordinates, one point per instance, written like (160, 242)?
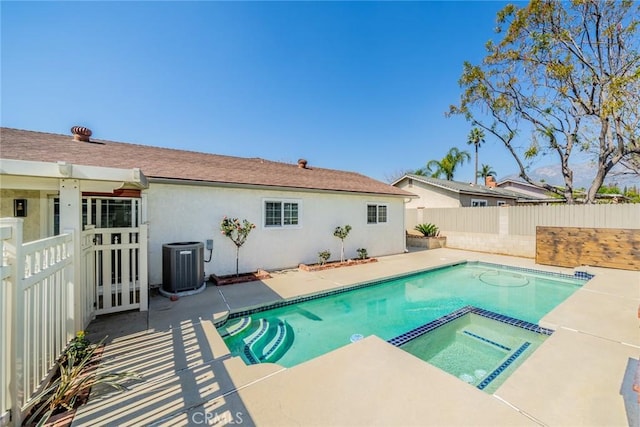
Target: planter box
(335, 264)
(242, 278)
(64, 418)
(426, 242)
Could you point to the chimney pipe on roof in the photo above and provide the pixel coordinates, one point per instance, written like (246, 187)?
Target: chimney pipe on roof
(81, 133)
(490, 181)
(302, 163)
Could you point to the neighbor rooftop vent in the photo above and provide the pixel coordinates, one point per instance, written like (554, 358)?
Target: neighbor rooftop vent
(302, 163)
(81, 133)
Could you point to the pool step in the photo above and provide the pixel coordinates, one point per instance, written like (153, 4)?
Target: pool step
(478, 337)
(280, 343)
(237, 326)
(269, 342)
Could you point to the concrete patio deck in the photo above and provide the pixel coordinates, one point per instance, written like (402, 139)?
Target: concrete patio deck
(581, 375)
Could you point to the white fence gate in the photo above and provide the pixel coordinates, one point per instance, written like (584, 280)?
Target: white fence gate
(118, 259)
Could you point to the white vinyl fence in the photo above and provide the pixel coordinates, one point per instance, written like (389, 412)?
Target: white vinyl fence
(511, 230)
(37, 311)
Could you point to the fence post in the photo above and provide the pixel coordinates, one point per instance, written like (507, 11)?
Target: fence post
(71, 222)
(15, 368)
(75, 293)
(7, 277)
(87, 260)
(143, 273)
(503, 221)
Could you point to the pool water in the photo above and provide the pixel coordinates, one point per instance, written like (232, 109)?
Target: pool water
(302, 330)
(478, 350)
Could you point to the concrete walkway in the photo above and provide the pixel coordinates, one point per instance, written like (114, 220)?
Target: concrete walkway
(580, 376)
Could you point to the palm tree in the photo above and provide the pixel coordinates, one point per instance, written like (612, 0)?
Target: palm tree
(476, 137)
(485, 171)
(447, 166)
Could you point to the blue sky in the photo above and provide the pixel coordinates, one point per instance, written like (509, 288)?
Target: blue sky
(360, 86)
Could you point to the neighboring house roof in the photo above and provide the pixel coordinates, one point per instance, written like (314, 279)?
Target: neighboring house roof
(166, 163)
(464, 187)
(518, 182)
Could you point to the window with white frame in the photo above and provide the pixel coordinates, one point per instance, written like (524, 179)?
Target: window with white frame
(103, 212)
(478, 202)
(281, 213)
(501, 203)
(376, 214)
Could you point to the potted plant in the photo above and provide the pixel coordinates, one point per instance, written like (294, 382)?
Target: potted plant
(427, 230)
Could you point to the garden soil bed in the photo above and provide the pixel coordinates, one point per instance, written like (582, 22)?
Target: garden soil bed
(335, 264)
(64, 418)
(242, 278)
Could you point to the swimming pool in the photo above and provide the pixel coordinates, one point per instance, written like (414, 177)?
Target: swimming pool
(291, 332)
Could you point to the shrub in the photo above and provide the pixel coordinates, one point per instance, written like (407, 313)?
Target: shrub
(427, 230)
(78, 348)
(323, 256)
(362, 253)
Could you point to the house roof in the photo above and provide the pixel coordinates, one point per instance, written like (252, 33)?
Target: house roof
(172, 164)
(465, 187)
(518, 182)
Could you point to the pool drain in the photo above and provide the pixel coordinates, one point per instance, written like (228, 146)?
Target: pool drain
(503, 279)
(356, 337)
(480, 373)
(467, 378)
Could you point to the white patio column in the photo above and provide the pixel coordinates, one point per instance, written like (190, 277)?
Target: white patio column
(71, 220)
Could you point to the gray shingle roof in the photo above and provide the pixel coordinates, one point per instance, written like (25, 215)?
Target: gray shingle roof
(467, 188)
(157, 162)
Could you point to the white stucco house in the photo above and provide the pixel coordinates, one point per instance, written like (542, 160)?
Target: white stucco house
(440, 193)
(58, 182)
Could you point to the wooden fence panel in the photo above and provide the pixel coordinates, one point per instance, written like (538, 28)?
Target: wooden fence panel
(599, 247)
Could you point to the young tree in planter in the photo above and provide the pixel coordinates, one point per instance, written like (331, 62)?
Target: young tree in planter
(237, 232)
(342, 233)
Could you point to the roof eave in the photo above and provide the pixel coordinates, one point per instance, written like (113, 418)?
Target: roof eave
(63, 170)
(176, 181)
(474, 193)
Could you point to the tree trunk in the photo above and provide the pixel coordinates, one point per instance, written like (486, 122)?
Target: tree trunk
(476, 174)
(237, 260)
(568, 181)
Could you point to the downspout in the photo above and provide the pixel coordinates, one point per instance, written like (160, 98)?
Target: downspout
(404, 224)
